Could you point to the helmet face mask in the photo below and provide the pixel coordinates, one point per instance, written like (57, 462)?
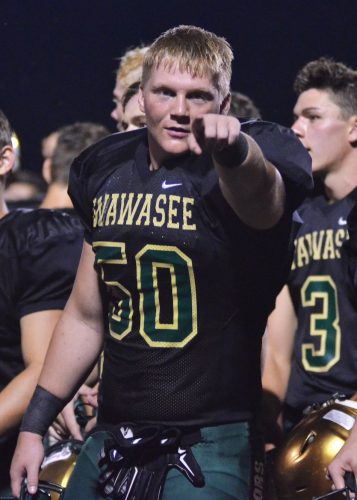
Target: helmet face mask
(301, 462)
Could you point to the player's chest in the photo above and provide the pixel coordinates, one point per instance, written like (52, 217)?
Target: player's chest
(321, 237)
(167, 207)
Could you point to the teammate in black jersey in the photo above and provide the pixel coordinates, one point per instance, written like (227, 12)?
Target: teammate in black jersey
(67, 142)
(39, 254)
(312, 343)
(188, 226)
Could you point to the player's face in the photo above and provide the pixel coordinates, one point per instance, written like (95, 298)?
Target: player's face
(121, 85)
(133, 117)
(322, 130)
(117, 113)
(49, 144)
(171, 100)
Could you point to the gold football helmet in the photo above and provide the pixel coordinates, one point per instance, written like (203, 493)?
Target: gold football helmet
(301, 461)
(56, 470)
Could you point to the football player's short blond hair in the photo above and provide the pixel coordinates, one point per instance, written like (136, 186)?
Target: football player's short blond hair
(131, 65)
(196, 51)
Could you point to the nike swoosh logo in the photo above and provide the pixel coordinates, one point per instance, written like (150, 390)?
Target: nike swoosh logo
(342, 221)
(165, 185)
(182, 455)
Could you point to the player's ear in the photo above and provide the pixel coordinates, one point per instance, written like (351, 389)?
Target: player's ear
(225, 105)
(47, 170)
(141, 100)
(7, 159)
(352, 130)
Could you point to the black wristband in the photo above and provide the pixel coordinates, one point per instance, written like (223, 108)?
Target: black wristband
(41, 412)
(235, 155)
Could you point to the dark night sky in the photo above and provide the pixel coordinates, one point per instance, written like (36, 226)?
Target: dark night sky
(58, 57)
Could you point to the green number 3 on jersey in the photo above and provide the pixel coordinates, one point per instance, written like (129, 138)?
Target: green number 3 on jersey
(320, 293)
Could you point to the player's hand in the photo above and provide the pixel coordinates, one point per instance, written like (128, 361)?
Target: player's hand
(213, 133)
(90, 425)
(345, 461)
(89, 395)
(26, 462)
(66, 424)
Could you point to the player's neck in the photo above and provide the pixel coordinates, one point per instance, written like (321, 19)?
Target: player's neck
(3, 207)
(56, 197)
(339, 182)
(338, 186)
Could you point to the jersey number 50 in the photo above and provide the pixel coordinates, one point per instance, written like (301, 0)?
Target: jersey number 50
(149, 261)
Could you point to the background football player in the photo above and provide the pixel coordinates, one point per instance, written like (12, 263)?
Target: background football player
(129, 73)
(311, 345)
(39, 254)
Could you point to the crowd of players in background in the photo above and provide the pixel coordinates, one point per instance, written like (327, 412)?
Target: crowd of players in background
(305, 362)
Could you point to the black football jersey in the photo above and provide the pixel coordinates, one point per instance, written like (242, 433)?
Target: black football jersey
(325, 351)
(39, 255)
(189, 286)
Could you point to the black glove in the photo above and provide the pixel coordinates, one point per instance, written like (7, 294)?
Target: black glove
(136, 461)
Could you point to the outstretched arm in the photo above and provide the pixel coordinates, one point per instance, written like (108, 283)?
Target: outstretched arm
(250, 184)
(74, 348)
